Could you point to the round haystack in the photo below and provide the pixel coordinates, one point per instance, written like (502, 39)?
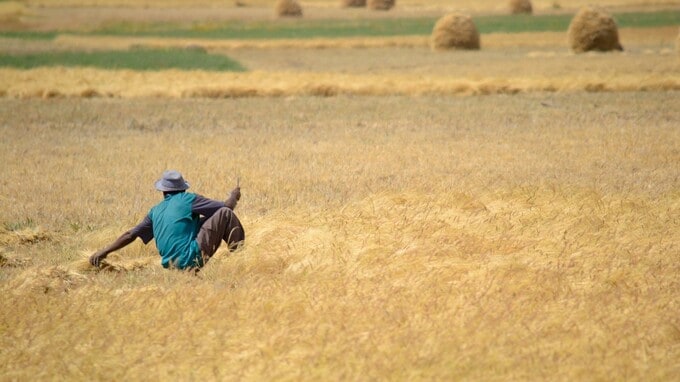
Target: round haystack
(288, 8)
(353, 3)
(593, 29)
(520, 6)
(380, 5)
(455, 31)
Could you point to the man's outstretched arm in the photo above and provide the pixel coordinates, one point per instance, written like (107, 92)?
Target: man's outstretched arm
(120, 243)
(233, 199)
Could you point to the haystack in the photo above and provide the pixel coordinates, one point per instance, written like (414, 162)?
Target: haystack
(593, 29)
(288, 8)
(353, 3)
(380, 5)
(455, 31)
(520, 6)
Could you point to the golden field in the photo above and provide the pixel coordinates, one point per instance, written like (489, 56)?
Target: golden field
(89, 83)
(506, 214)
(533, 236)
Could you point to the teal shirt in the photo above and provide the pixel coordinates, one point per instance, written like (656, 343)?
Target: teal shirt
(175, 228)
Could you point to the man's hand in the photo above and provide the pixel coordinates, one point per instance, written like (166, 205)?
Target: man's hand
(121, 242)
(233, 198)
(97, 258)
(236, 193)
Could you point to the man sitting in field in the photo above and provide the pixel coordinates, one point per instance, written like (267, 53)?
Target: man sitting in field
(188, 228)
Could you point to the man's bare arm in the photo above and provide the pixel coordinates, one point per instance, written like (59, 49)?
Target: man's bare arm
(120, 243)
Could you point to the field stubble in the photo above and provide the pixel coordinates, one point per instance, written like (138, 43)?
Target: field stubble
(524, 237)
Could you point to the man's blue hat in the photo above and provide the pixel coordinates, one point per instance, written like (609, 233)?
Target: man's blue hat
(171, 181)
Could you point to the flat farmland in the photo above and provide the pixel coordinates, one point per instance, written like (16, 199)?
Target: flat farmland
(349, 57)
(511, 213)
(517, 237)
(508, 63)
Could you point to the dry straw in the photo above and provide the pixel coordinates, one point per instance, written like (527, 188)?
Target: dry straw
(381, 5)
(520, 6)
(11, 13)
(455, 31)
(353, 3)
(593, 29)
(10, 262)
(46, 280)
(68, 83)
(396, 245)
(288, 8)
(115, 263)
(24, 236)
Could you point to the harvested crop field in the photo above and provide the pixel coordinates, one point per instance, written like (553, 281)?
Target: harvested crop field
(511, 213)
(508, 63)
(299, 67)
(524, 237)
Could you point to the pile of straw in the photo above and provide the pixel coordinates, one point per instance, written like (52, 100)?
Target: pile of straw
(455, 31)
(353, 3)
(593, 29)
(46, 280)
(381, 5)
(520, 6)
(288, 8)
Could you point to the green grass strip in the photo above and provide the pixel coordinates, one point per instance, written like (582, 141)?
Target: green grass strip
(138, 59)
(302, 28)
(29, 35)
(556, 23)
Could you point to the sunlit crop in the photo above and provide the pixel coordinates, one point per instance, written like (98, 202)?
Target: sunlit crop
(511, 213)
(390, 238)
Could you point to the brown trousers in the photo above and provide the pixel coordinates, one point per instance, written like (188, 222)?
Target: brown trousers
(223, 225)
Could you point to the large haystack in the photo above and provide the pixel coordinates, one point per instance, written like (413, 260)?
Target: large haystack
(455, 31)
(520, 6)
(288, 8)
(593, 29)
(380, 5)
(353, 3)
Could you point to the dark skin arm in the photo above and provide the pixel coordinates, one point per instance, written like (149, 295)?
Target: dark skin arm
(233, 199)
(120, 243)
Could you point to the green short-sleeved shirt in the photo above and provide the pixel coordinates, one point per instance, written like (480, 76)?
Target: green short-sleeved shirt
(175, 228)
(175, 223)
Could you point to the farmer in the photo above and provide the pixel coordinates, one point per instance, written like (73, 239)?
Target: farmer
(188, 228)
